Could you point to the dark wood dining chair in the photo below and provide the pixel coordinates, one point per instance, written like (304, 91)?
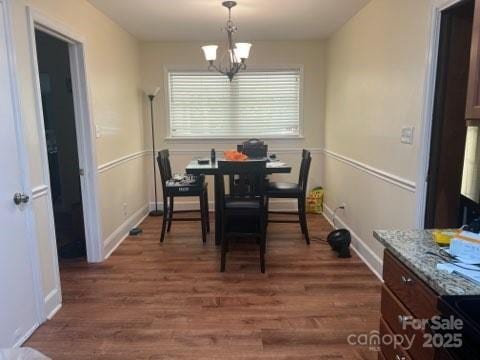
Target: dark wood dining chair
(243, 210)
(285, 190)
(253, 148)
(196, 187)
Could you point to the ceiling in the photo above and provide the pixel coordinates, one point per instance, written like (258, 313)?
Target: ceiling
(202, 20)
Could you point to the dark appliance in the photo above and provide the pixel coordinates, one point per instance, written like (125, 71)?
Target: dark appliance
(340, 241)
(467, 309)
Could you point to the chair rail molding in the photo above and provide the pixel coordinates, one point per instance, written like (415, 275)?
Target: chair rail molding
(291, 150)
(378, 173)
(121, 160)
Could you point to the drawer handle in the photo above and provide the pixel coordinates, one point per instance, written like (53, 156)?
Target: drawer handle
(399, 357)
(407, 280)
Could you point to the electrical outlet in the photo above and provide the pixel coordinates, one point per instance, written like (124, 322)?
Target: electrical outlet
(407, 135)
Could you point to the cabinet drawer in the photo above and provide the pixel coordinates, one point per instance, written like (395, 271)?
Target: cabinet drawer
(418, 298)
(389, 351)
(394, 314)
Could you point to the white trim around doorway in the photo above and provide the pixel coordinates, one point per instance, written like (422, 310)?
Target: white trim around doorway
(84, 128)
(429, 97)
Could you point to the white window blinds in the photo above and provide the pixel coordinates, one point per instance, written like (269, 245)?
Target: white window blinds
(254, 104)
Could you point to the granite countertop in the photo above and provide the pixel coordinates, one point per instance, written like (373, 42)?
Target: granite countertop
(411, 248)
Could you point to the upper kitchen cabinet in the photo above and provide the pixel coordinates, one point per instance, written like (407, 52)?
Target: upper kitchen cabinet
(473, 95)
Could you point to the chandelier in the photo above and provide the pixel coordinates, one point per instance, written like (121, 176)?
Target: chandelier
(236, 55)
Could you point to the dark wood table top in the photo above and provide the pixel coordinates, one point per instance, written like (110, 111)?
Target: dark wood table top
(273, 167)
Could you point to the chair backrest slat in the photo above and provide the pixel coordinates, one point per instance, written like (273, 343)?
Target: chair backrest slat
(163, 160)
(304, 170)
(250, 177)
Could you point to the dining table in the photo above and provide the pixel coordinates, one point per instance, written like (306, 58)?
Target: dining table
(211, 168)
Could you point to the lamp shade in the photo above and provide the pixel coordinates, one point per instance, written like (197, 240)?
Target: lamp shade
(210, 52)
(242, 50)
(152, 91)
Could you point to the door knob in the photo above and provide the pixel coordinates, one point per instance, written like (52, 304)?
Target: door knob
(20, 198)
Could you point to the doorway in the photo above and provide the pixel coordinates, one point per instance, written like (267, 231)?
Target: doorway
(62, 145)
(444, 201)
(85, 132)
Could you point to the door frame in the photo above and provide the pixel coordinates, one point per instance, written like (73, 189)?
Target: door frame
(34, 251)
(84, 125)
(428, 106)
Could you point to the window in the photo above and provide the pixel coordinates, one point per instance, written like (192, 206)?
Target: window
(254, 104)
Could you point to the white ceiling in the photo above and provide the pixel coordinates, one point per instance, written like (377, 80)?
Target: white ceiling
(188, 20)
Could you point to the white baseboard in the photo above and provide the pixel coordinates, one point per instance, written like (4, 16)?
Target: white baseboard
(114, 240)
(26, 336)
(275, 205)
(54, 311)
(53, 302)
(364, 252)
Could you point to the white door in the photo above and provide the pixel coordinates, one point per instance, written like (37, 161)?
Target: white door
(18, 313)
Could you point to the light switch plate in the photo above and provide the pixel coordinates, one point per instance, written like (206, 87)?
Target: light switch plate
(98, 132)
(407, 135)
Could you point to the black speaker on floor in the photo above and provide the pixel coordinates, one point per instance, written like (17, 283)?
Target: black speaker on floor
(340, 241)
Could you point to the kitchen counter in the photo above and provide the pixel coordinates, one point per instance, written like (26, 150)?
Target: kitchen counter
(411, 247)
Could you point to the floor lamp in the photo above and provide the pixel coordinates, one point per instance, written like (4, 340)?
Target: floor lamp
(151, 96)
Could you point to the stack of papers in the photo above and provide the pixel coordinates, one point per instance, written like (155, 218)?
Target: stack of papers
(465, 250)
(473, 275)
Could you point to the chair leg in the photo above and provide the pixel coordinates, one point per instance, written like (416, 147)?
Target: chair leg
(203, 218)
(303, 221)
(267, 207)
(170, 214)
(207, 211)
(224, 246)
(262, 252)
(164, 219)
(263, 242)
(300, 207)
(262, 257)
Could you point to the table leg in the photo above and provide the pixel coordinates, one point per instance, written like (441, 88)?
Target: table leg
(218, 225)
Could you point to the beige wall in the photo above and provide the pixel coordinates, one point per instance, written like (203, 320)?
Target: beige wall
(360, 88)
(376, 69)
(113, 71)
(310, 54)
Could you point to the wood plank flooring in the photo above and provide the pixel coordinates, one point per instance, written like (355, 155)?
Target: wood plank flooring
(169, 301)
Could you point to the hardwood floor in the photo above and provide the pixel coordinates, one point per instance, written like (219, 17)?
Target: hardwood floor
(169, 301)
